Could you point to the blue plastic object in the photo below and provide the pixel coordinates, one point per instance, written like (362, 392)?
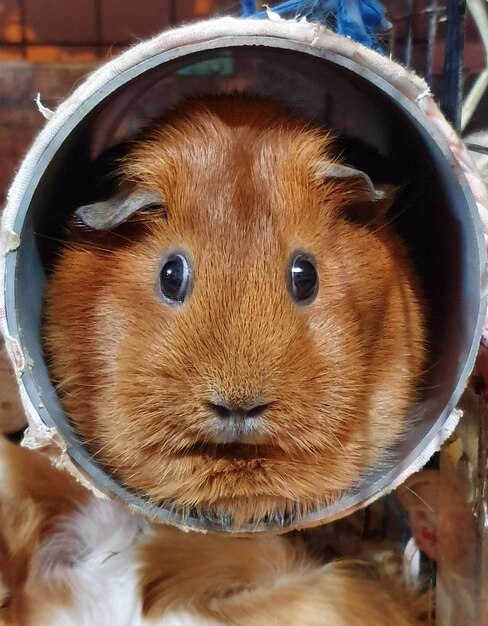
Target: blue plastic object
(362, 20)
(248, 8)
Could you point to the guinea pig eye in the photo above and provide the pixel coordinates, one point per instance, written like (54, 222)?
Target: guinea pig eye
(174, 278)
(303, 279)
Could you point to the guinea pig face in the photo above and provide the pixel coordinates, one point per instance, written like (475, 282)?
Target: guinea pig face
(249, 342)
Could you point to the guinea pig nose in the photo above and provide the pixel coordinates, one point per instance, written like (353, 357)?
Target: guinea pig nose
(226, 411)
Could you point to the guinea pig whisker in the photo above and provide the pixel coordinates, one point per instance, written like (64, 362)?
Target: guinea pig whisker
(114, 233)
(108, 443)
(121, 433)
(86, 442)
(431, 366)
(340, 445)
(404, 210)
(63, 383)
(78, 384)
(115, 468)
(88, 245)
(388, 222)
(414, 493)
(429, 387)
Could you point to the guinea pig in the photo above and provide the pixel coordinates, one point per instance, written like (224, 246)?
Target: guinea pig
(238, 330)
(68, 558)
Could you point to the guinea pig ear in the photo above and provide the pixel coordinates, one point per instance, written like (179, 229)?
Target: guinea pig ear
(108, 214)
(367, 201)
(370, 192)
(419, 496)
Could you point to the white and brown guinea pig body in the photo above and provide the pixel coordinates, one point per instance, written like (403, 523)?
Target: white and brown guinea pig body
(238, 331)
(68, 558)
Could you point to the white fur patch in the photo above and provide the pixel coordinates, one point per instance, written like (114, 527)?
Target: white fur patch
(3, 468)
(94, 552)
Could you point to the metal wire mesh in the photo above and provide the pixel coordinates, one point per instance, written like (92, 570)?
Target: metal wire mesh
(428, 35)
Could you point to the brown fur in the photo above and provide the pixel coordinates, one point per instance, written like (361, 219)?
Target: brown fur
(265, 580)
(244, 187)
(33, 500)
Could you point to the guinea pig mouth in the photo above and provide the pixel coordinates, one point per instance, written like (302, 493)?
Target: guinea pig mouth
(230, 451)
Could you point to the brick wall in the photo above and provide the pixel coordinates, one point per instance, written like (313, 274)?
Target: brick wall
(114, 24)
(65, 30)
(33, 58)
(20, 120)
